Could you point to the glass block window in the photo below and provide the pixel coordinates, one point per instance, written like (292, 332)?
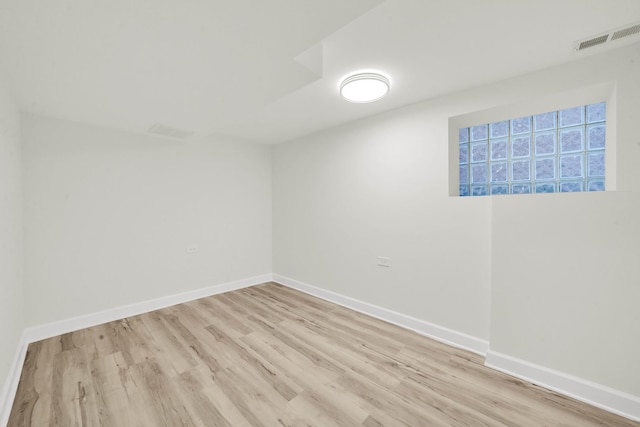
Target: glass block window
(558, 151)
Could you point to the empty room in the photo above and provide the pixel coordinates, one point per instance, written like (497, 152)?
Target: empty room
(319, 213)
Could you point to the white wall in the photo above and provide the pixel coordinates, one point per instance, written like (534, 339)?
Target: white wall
(109, 216)
(575, 309)
(11, 292)
(379, 187)
(545, 278)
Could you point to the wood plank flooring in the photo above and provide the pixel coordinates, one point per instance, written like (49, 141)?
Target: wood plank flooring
(271, 356)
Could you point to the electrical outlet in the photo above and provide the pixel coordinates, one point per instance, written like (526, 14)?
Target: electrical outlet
(192, 249)
(383, 261)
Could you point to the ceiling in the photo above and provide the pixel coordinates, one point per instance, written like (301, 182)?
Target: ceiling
(268, 70)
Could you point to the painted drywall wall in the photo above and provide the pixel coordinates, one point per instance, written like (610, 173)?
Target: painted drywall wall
(565, 276)
(576, 307)
(11, 292)
(110, 216)
(381, 187)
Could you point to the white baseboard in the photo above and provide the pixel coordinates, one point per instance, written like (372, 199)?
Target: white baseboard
(609, 399)
(439, 333)
(624, 404)
(13, 378)
(48, 330)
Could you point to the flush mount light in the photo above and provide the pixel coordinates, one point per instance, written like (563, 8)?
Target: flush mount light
(364, 87)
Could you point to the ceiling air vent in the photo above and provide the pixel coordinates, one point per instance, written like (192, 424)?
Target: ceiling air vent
(593, 42)
(170, 132)
(626, 32)
(611, 36)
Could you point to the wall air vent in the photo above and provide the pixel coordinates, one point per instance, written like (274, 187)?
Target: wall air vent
(169, 132)
(609, 37)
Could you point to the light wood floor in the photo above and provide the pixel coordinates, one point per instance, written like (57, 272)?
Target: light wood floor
(271, 356)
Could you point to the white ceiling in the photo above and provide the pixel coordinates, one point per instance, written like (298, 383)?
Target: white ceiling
(229, 66)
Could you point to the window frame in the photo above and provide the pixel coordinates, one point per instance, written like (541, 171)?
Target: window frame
(583, 96)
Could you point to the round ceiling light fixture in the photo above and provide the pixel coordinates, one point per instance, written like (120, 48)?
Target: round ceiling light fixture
(364, 87)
